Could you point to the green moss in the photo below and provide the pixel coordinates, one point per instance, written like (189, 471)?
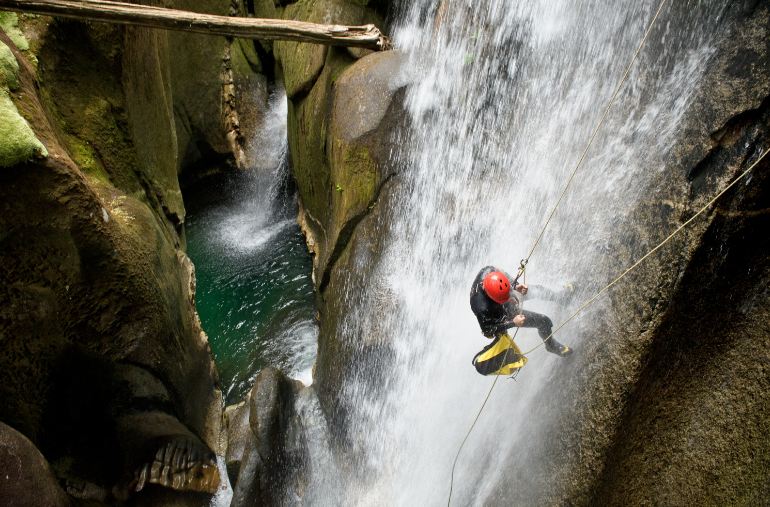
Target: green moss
(353, 169)
(17, 141)
(86, 158)
(307, 129)
(302, 62)
(9, 23)
(244, 59)
(9, 68)
(80, 87)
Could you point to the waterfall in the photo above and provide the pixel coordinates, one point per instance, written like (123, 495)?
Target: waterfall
(502, 99)
(254, 293)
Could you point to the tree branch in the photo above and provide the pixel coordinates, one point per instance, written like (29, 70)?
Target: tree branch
(366, 36)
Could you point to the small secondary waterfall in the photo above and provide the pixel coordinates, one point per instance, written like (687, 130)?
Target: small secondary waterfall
(254, 293)
(503, 98)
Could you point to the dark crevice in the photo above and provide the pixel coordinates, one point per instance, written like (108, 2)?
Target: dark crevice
(173, 394)
(156, 201)
(734, 130)
(343, 238)
(171, 406)
(268, 61)
(209, 163)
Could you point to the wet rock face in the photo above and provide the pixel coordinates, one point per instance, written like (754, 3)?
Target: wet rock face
(340, 137)
(344, 107)
(273, 447)
(105, 367)
(368, 113)
(694, 420)
(238, 436)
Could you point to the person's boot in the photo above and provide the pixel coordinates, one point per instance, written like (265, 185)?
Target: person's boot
(557, 348)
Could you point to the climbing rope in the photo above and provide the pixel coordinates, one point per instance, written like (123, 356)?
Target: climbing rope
(642, 258)
(525, 261)
(595, 297)
(595, 131)
(468, 434)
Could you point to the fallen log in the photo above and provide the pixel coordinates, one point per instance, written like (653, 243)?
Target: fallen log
(366, 36)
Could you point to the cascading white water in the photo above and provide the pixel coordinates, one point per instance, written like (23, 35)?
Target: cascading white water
(503, 98)
(254, 294)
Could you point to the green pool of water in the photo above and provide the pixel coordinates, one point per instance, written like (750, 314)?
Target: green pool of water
(254, 292)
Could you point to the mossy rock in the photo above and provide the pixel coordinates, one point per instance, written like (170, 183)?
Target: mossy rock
(91, 281)
(9, 68)
(244, 59)
(17, 140)
(302, 62)
(80, 83)
(363, 95)
(307, 130)
(367, 107)
(9, 23)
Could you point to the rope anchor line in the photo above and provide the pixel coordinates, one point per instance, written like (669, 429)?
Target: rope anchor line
(604, 289)
(657, 247)
(523, 263)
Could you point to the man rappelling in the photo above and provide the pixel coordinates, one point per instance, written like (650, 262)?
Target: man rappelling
(497, 304)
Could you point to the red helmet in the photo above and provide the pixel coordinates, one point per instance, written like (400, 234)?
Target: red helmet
(497, 287)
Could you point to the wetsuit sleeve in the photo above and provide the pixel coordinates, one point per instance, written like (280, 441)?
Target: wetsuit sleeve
(542, 293)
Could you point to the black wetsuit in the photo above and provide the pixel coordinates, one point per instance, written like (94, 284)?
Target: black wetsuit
(495, 318)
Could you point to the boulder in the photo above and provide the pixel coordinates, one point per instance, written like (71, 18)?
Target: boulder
(307, 125)
(302, 63)
(366, 114)
(27, 479)
(238, 436)
(274, 452)
(339, 148)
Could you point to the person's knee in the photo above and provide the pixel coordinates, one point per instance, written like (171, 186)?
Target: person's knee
(545, 326)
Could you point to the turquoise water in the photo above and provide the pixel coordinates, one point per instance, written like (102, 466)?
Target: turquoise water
(254, 292)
